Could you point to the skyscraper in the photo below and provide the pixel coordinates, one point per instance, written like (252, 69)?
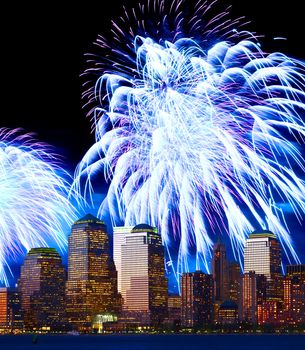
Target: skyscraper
(119, 239)
(197, 299)
(174, 309)
(294, 294)
(10, 310)
(220, 270)
(42, 288)
(91, 288)
(253, 293)
(263, 255)
(234, 281)
(140, 259)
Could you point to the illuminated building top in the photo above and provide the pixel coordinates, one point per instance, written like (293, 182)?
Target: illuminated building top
(43, 251)
(135, 229)
(89, 219)
(262, 253)
(262, 234)
(144, 228)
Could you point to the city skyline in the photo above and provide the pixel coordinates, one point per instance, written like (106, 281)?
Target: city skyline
(86, 300)
(56, 129)
(224, 260)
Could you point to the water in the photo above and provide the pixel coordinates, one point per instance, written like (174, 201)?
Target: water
(154, 342)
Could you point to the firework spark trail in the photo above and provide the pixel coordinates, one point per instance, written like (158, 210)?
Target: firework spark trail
(194, 132)
(34, 202)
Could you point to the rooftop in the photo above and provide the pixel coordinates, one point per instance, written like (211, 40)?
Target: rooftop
(42, 250)
(89, 219)
(144, 228)
(262, 234)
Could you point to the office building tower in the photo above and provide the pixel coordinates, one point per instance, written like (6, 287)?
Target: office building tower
(11, 319)
(248, 307)
(234, 281)
(91, 287)
(294, 294)
(270, 312)
(142, 272)
(253, 293)
(263, 255)
(295, 270)
(220, 271)
(42, 289)
(174, 309)
(196, 299)
(119, 239)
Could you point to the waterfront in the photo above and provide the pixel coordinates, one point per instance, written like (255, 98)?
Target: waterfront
(153, 342)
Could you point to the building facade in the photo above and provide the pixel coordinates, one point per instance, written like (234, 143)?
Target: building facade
(234, 282)
(11, 317)
(294, 294)
(263, 256)
(174, 310)
(253, 291)
(197, 295)
(119, 239)
(220, 271)
(144, 286)
(228, 313)
(91, 287)
(42, 289)
(248, 302)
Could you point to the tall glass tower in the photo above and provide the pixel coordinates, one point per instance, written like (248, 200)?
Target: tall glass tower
(197, 299)
(139, 258)
(91, 288)
(220, 270)
(10, 310)
(119, 239)
(263, 255)
(42, 289)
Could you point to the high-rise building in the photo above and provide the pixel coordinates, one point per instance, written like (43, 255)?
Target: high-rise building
(270, 312)
(197, 299)
(42, 288)
(248, 307)
(220, 271)
(234, 281)
(295, 270)
(140, 258)
(91, 287)
(11, 319)
(294, 294)
(174, 309)
(263, 255)
(253, 293)
(119, 239)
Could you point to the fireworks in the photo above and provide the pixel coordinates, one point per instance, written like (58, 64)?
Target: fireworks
(34, 202)
(197, 129)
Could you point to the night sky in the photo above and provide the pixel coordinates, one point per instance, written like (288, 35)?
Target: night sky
(43, 49)
(42, 57)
